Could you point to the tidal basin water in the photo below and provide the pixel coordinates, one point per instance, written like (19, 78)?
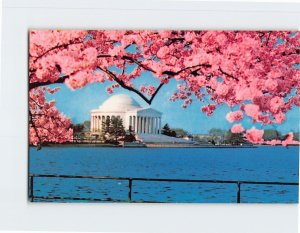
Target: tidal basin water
(274, 164)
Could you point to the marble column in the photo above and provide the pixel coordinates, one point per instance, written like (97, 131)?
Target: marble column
(134, 123)
(97, 126)
(142, 124)
(100, 122)
(94, 123)
(151, 125)
(152, 129)
(145, 124)
(159, 124)
(91, 123)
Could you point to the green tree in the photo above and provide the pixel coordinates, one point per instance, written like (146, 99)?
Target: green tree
(114, 127)
(105, 127)
(117, 128)
(296, 135)
(270, 134)
(166, 127)
(77, 128)
(87, 126)
(234, 138)
(166, 130)
(181, 132)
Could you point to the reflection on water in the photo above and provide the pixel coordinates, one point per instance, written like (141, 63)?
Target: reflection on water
(251, 164)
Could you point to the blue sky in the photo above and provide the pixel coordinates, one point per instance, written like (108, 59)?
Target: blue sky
(77, 105)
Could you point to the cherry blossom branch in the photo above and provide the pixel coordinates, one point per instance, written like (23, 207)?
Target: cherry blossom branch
(186, 68)
(39, 84)
(34, 127)
(54, 48)
(129, 59)
(122, 84)
(227, 74)
(138, 63)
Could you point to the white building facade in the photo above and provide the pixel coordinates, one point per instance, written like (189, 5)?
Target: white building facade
(140, 120)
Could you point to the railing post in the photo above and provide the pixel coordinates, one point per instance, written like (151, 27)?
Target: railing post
(130, 190)
(238, 196)
(30, 187)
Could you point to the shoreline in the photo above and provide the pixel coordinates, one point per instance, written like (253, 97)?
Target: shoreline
(148, 146)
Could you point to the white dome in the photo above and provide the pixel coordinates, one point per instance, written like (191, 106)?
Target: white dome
(119, 103)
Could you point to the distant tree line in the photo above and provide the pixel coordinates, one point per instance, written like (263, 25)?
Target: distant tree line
(113, 129)
(174, 132)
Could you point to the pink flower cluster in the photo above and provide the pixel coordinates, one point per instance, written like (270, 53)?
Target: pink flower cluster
(243, 69)
(150, 90)
(237, 128)
(46, 123)
(255, 135)
(234, 116)
(209, 109)
(289, 140)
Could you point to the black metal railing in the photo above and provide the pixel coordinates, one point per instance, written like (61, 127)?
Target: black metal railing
(131, 180)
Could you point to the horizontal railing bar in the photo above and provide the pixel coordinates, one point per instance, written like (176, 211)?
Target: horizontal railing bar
(76, 198)
(83, 177)
(165, 179)
(88, 199)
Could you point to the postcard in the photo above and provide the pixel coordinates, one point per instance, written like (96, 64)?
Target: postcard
(167, 116)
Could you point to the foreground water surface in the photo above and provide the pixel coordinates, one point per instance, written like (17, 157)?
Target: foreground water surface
(275, 164)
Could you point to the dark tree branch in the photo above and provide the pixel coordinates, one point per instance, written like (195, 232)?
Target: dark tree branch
(128, 58)
(122, 84)
(267, 40)
(138, 63)
(156, 91)
(227, 74)
(186, 68)
(174, 40)
(297, 52)
(58, 46)
(39, 84)
(35, 129)
(104, 55)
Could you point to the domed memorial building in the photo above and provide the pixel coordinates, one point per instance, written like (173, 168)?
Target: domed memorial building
(140, 120)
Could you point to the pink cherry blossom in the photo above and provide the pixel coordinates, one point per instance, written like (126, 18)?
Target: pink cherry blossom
(254, 135)
(252, 110)
(248, 70)
(209, 109)
(289, 140)
(276, 104)
(234, 116)
(273, 142)
(237, 128)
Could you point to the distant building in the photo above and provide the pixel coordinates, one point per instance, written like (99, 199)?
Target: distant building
(140, 120)
(206, 138)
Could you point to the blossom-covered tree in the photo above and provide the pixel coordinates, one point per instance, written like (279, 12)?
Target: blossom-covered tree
(256, 72)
